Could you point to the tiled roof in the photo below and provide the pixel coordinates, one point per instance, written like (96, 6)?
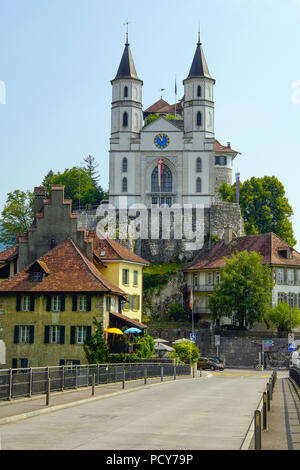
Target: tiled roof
(69, 271)
(9, 254)
(222, 148)
(128, 320)
(154, 108)
(268, 245)
(109, 250)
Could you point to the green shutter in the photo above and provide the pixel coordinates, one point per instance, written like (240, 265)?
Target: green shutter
(14, 363)
(32, 301)
(62, 335)
(47, 334)
(48, 303)
(72, 336)
(62, 362)
(18, 303)
(16, 334)
(88, 333)
(31, 334)
(88, 303)
(62, 303)
(74, 303)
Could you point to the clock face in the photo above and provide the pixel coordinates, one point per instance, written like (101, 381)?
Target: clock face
(161, 141)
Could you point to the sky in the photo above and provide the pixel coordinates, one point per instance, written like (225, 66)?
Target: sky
(57, 58)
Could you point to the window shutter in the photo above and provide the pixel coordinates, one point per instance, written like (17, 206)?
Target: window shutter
(61, 362)
(88, 333)
(31, 334)
(18, 303)
(62, 335)
(32, 301)
(62, 303)
(14, 363)
(138, 302)
(16, 334)
(76, 362)
(72, 338)
(47, 334)
(74, 303)
(48, 303)
(88, 303)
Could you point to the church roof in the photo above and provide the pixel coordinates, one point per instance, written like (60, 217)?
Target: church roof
(126, 68)
(199, 66)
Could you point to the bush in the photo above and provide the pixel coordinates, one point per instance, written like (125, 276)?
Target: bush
(186, 352)
(123, 358)
(144, 348)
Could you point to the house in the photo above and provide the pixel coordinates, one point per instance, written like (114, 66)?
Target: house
(56, 279)
(204, 272)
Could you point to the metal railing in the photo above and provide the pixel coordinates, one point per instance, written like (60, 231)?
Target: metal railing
(294, 374)
(17, 383)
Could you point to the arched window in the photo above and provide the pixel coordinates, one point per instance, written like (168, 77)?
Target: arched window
(125, 119)
(199, 119)
(166, 180)
(125, 92)
(198, 90)
(124, 185)
(198, 165)
(198, 185)
(124, 165)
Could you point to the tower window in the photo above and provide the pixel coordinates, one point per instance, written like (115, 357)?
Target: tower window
(221, 160)
(199, 119)
(198, 90)
(124, 185)
(125, 120)
(198, 185)
(124, 165)
(125, 92)
(198, 165)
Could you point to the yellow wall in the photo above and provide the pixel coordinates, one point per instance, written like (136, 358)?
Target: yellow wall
(38, 353)
(114, 273)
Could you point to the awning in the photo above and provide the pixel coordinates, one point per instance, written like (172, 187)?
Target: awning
(119, 317)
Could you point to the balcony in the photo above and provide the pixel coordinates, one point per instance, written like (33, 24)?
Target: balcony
(202, 288)
(201, 310)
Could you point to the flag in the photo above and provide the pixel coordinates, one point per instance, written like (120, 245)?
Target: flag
(191, 300)
(160, 167)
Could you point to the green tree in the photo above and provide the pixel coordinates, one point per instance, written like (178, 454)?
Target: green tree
(244, 291)
(280, 316)
(16, 217)
(186, 352)
(144, 347)
(264, 206)
(79, 186)
(96, 349)
(91, 166)
(152, 117)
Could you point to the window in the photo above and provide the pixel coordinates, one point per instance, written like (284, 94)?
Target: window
(124, 165)
(221, 160)
(198, 90)
(26, 303)
(281, 297)
(199, 119)
(198, 185)
(24, 334)
(36, 276)
(134, 302)
(55, 334)
(279, 276)
(217, 278)
(210, 279)
(195, 278)
(166, 180)
(154, 201)
(81, 334)
(125, 92)
(56, 303)
(298, 301)
(290, 276)
(135, 278)
(198, 165)
(124, 185)
(125, 276)
(108, 303)
(82, 303)
(125, 119)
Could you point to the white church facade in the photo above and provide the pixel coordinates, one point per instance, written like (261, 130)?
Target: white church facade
(193, 163)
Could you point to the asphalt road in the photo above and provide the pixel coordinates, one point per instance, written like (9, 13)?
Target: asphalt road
(208, 413)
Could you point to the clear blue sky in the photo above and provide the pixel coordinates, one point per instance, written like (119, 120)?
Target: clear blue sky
(58, 56)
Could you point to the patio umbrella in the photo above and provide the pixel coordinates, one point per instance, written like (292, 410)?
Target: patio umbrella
(160, 340)
(182, 340)
(163, 347)
(132, 330)
(114, 331)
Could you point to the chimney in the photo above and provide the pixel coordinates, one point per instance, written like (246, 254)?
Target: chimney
(227, 235)
(40, 193)
(228, 145)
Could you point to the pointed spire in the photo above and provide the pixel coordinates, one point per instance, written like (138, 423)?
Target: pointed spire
(126, 68)
(199, 66)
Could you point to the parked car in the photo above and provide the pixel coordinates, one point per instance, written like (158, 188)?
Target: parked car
(206, 363)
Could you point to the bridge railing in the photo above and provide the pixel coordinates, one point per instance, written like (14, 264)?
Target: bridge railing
(294, 373)
(17, 383)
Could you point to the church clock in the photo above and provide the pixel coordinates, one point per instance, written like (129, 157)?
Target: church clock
(161, 141)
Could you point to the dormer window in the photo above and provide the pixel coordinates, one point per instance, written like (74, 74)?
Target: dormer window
(285, 253)
(36, 276)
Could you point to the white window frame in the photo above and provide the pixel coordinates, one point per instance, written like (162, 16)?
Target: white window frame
(37, 276)
(24, 334)
(54, 334)
(82, 303)
(26, 303)
(210, 279)
(279, 276)
(56, 303)
(81, 332)
(290, 277)
(281, 298)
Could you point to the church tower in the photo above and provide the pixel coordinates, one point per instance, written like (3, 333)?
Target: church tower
(199, 97)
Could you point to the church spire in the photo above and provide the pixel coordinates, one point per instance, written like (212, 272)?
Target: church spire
(126, 68)
(199, 67)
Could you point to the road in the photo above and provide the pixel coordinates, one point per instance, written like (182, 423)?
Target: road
(207, 413)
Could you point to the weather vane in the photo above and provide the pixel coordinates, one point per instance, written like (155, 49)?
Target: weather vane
(126, 24)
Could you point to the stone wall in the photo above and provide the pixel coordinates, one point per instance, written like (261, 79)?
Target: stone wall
(236, 349)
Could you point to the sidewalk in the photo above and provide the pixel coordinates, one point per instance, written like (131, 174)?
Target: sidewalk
(283, 431)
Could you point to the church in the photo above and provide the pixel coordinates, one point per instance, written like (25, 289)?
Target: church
(174, 159)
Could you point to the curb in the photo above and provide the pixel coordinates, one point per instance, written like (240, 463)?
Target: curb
(31, 414)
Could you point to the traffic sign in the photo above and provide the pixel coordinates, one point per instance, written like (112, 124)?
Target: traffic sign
(193, 337)
(217, 340)
(268, 342)
(292, 346)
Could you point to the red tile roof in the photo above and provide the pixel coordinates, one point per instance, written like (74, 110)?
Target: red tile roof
(9, 254)
(111, 250)
(128, 320)
(267, 244)
(154, 108)
(222, 148)
(69, 271)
